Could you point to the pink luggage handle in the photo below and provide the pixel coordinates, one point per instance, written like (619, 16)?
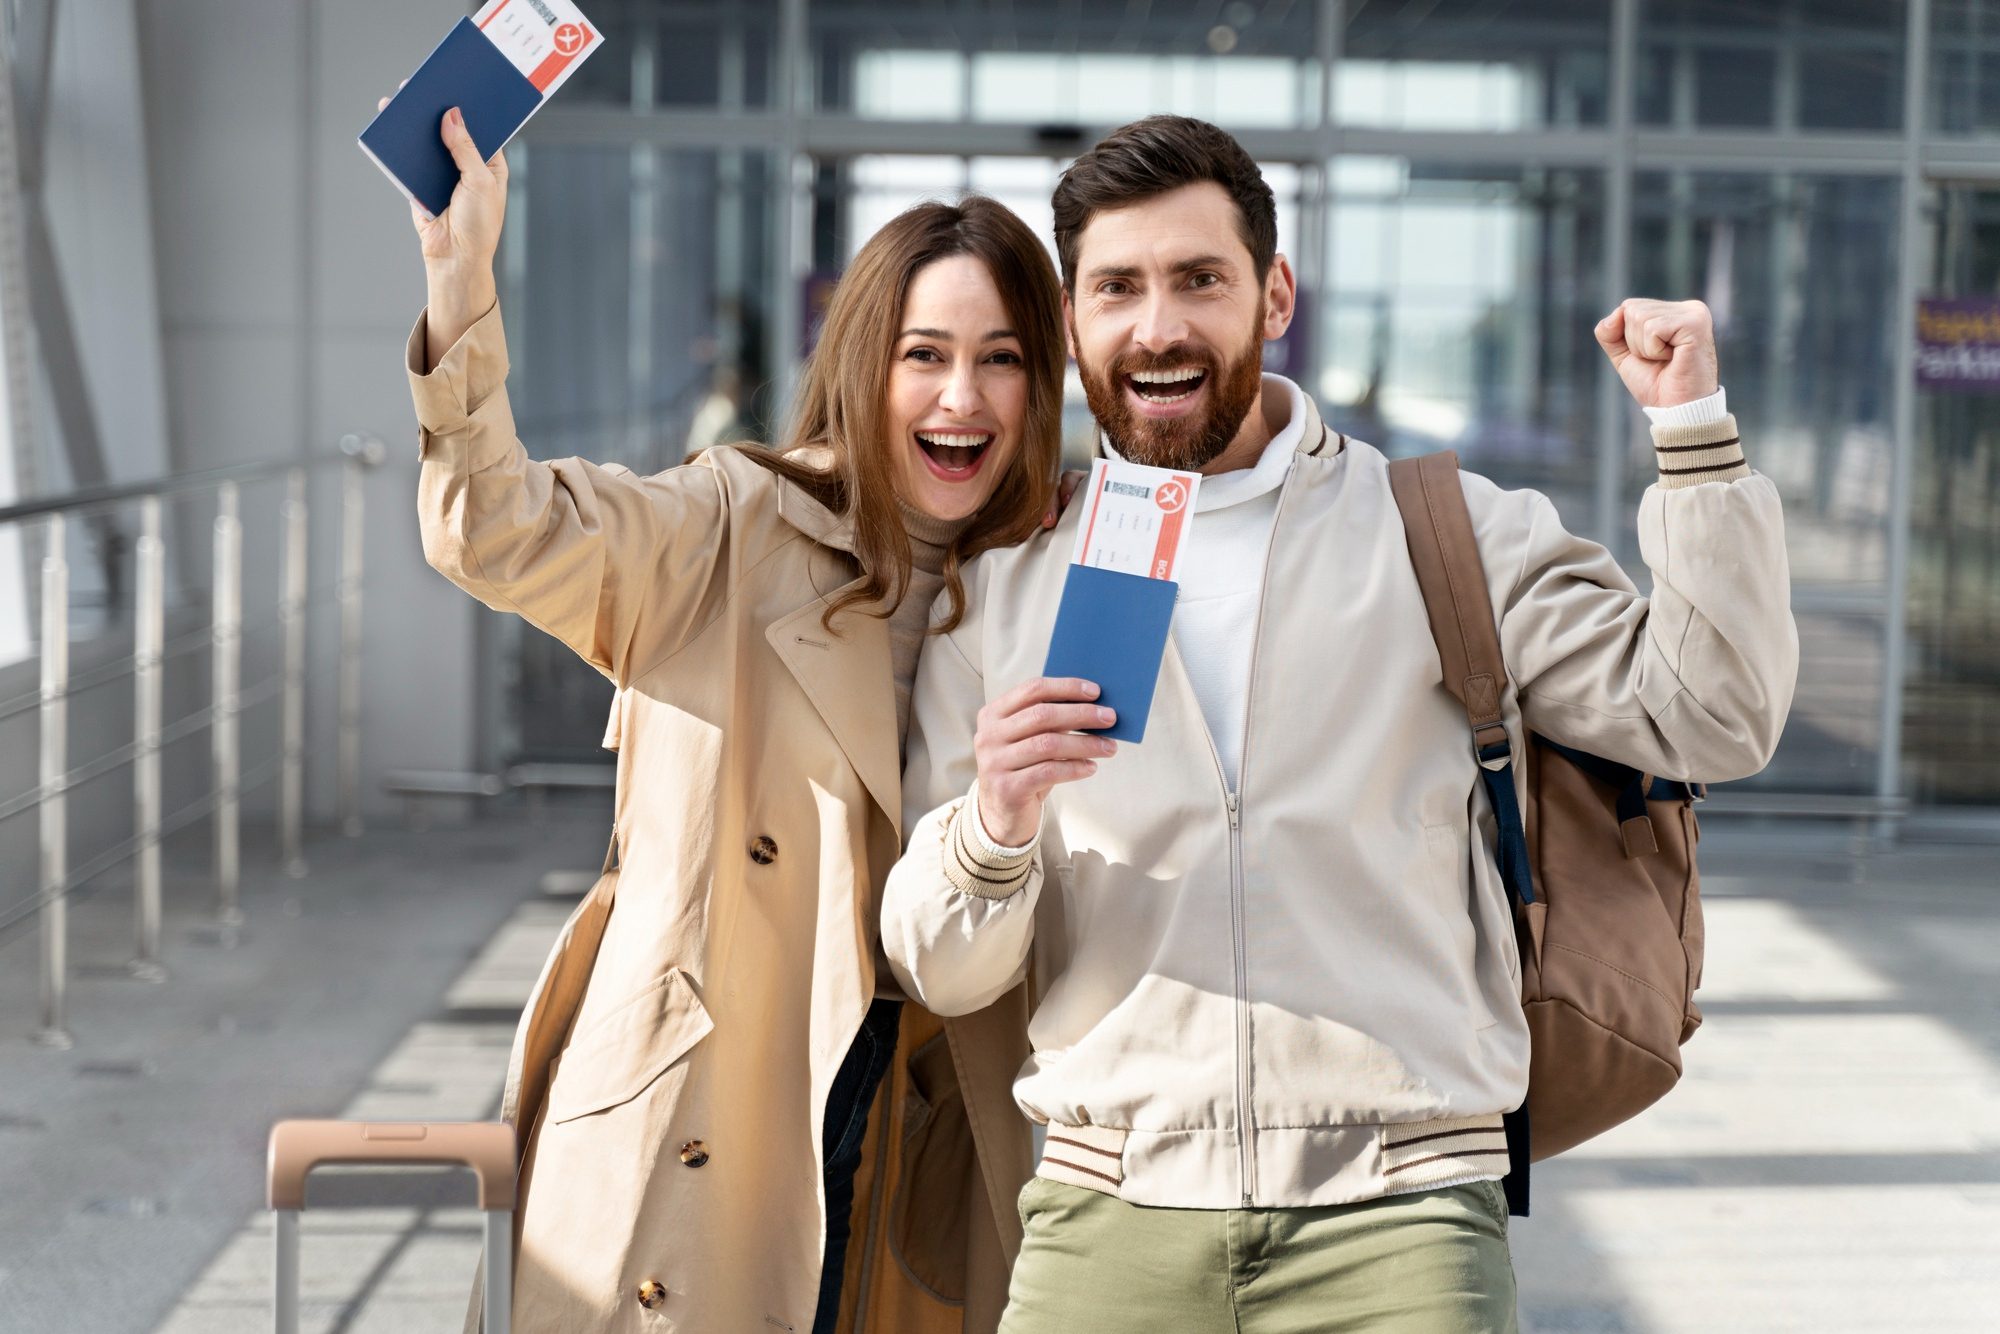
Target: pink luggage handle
(487, 1147)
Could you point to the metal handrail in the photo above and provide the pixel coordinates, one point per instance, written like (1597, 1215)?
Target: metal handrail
(228, 699)
(110, 495)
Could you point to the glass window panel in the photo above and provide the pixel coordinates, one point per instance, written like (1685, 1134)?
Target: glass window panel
(1799, 273)
(1951, 705)
(1087, 62)
(1965, 66)
(1458, 314)
(1771, 64)
(635, 283)
(636, 280)
(1476, 64)
(716, 54)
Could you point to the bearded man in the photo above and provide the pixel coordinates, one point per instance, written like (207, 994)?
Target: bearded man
(1278, 1019)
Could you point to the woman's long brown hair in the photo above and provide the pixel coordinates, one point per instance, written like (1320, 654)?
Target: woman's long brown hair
(844, 391)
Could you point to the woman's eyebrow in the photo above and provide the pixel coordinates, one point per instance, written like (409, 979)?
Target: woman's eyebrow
(944, 335)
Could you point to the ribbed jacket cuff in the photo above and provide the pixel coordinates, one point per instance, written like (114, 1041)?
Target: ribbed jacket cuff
(1691, 455)
(971, 863)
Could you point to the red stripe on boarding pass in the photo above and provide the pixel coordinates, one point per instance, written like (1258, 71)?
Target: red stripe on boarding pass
(578, 37)
(1172, 499)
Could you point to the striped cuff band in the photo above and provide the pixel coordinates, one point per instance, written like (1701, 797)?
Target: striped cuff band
(971, 868)
(1691, 455)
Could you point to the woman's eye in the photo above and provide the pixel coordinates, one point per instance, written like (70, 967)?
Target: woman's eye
(1006, 358)
(922, 354)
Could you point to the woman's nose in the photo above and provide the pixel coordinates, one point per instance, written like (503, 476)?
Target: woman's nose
(961, 395)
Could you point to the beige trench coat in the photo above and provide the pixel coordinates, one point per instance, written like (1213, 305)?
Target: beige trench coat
(707, 990)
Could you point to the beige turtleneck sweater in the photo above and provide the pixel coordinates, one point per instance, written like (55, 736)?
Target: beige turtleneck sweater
(928, 539)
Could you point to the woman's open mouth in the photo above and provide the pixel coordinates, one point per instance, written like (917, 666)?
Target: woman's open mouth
(1167, 387)
(953, 455)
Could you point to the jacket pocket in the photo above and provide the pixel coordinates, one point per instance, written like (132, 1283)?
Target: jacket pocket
(620, 1055)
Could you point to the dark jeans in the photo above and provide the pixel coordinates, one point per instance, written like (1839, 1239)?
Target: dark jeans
(847, 1104)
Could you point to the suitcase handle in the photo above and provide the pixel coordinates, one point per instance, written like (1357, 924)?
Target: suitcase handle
(297, 1147)
(487, 1147)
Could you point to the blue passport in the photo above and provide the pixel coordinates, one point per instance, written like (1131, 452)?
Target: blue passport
(1111, 628)
(466, 71)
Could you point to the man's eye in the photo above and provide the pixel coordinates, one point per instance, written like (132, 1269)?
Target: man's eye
(1114, 289)
(1203, 280)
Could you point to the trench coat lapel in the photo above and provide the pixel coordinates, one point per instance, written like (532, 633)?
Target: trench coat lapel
(847, 674)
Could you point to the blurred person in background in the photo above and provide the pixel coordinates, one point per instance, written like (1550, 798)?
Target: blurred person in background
(692, 1079)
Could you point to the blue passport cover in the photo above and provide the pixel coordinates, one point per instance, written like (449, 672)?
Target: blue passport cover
(465, 71)
(1111, 628)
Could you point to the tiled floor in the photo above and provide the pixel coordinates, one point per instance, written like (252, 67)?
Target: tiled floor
(1830, 1163)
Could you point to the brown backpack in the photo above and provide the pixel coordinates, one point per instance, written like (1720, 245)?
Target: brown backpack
(1598, 858)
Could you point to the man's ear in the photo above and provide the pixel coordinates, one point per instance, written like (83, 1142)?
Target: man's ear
(1281, 298)
(1069, 324)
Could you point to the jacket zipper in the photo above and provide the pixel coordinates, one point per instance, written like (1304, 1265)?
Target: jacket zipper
(1246, 1156)
(1246, 1160)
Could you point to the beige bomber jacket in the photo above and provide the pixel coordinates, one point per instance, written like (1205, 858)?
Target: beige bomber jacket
(1306, 992)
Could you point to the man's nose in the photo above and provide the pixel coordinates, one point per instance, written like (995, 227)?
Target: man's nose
(1161, 324)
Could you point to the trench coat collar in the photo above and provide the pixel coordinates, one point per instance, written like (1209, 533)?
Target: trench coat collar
(846, 672)
(813, 519)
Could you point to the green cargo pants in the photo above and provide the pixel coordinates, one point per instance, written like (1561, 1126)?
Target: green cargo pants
(1431, 1262)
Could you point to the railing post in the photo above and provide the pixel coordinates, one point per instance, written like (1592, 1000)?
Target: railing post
(359, 453)
(226, 660)
(292, 742)
(148, 641)
(54, 803)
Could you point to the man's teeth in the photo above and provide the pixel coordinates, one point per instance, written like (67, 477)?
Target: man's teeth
(1172, 385)
(952, 451)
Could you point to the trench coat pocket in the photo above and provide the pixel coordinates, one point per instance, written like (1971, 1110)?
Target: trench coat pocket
(619, 1056)
(929, 1218)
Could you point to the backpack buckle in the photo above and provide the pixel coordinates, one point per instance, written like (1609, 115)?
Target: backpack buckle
(1490, 743)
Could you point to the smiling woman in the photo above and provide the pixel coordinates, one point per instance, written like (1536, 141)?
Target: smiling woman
(694, 1079)
(938, 369)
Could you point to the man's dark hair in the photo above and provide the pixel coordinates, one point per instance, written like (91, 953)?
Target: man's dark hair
(1150, 157)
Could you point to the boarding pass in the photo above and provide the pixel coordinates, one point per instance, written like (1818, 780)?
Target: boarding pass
(546, 39)
(1135, 518)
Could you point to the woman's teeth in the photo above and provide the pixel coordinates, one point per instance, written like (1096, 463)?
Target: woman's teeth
(953, 452)
(1169, 386)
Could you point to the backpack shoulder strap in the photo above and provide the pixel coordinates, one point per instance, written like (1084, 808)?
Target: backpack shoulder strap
(1438, 528)
(1445, 553)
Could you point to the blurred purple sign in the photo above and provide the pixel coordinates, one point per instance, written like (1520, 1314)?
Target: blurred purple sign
(1958, 345)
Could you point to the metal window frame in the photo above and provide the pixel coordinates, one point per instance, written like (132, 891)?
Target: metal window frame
(1914, 155)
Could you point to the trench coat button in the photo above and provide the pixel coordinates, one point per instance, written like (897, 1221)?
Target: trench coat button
(694, 1153)
(762, 850)
(651, 1295)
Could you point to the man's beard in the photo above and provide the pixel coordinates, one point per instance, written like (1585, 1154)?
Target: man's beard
(1187, 443)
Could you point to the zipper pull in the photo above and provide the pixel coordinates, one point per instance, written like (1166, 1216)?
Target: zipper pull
(1234, 809)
